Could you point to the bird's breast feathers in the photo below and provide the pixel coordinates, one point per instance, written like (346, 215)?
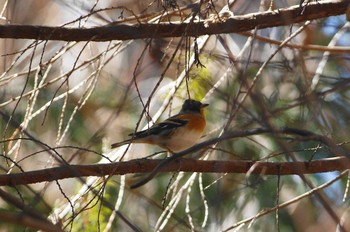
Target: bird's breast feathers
(185, 136)
(174, 134)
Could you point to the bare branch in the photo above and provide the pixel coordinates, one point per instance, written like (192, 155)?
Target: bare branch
(279, 17)
(28, 221)
(176, 163)
(182, 164)
(287, 203)
(27, 216)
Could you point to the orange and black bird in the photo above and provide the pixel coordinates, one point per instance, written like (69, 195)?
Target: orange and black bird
(176, 133)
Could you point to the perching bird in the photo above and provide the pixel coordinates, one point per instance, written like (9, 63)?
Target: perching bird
(177, 133)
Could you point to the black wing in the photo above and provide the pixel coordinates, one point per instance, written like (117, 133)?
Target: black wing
(163, 128)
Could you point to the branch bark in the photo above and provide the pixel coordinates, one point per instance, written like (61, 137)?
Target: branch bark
(279, 17)
(177, 163)
(182, 164)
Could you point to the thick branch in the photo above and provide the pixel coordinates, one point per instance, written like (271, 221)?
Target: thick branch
(28, 221)
(184, 165)
(280, 17)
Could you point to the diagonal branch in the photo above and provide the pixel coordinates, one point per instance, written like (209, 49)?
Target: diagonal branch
(279, 17)
(305, 135)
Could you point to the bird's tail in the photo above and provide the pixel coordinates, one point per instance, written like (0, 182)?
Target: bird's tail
(115, 145)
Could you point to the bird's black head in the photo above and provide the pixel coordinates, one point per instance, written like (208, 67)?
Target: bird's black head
(192, 106)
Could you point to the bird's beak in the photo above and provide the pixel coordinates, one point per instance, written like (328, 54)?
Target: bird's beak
(204, 105)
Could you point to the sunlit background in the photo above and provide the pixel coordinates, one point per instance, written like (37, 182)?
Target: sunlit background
(80, 97)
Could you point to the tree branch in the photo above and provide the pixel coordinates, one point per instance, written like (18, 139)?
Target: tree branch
(182, 164)
(280, 17)
(28, 216)
(28, 221)
(305, 135)
(177, 163)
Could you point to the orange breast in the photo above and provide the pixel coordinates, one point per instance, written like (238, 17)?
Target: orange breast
(195, 122)
(182, 137)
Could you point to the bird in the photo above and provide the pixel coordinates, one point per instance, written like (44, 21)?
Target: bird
(176, 133)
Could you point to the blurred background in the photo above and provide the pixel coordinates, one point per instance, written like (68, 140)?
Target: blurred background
(77, 98)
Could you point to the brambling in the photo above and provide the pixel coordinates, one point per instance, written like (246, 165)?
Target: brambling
(177, 133)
